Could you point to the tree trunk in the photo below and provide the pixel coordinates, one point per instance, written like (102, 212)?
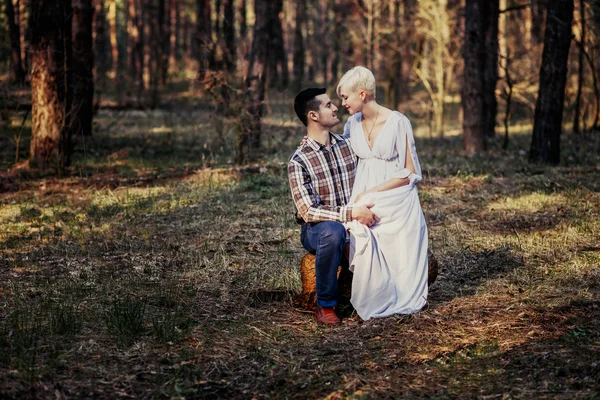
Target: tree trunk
(407, 49)
(547, 125)
(277, 61)
(480, 55)
(101, 41)
(182, 29)
(50, 83)
(188, 38)
(255, 79)
(83, 68)
(23, 19)
(338, 37)
(112, 20)
(490, 74)
(324, 46)
(174, 34)
(243, 22)
(164, 18)
(155, 21)
(395, 70)
(474, 138)
(135, 28)
(229, 35)
(580, 69)
(299, 52)
(217, 30)
(203, 37)
(538, 16)
(18, 73)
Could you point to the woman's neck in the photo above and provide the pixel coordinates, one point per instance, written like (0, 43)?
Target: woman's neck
(370, 109)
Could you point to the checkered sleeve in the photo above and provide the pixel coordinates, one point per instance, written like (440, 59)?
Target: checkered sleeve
(308, 203)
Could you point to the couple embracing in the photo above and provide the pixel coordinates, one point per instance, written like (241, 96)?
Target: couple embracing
(359, 187)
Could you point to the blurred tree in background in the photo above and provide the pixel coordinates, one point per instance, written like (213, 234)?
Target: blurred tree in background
(449, 64)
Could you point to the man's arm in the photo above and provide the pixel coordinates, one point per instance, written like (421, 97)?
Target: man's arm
(309, 204)
(307, 200)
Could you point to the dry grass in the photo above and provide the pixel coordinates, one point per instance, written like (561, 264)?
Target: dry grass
(157, 270)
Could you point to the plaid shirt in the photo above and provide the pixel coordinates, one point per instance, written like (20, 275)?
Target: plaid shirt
(321, 180)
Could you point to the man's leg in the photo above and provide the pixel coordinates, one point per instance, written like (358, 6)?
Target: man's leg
(327, 240)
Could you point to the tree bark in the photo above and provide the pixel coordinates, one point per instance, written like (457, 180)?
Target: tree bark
(277, 61)
(258, 58)
(51, 83)
(538, 16)
(135, 28)
(229, 35)
(338, 38)
(547, 126)
(243, 21)
(174, 34)
(218, 6)
(203, 36)
(490, 74)
(324, 45)
(18, 73)
(101, 41)
(23, 18)
(474, 122)
(480, 55)
(112, 21)
(580, 69)
(299, 52)
(155, 28)
(407, 49)
(83, 68)
(164, 18)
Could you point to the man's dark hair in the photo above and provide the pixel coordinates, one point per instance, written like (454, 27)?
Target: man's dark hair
(305, 102)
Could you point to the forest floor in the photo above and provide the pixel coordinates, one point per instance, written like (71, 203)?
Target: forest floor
(155, 269)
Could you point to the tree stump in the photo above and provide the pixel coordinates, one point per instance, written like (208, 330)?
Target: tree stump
(432, 267)
(307, 299)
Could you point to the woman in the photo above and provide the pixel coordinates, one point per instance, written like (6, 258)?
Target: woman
(389, 259)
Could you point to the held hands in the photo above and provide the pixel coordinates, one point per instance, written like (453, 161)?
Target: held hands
(364, 215)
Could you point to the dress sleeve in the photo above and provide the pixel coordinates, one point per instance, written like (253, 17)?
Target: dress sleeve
(404, 139)
(347, 125)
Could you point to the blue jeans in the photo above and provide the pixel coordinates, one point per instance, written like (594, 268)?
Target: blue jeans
(325, 239)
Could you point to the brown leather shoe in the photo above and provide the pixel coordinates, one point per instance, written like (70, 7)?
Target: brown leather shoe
(326, 315)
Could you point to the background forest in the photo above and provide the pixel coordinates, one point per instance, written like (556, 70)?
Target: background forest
(147, 245)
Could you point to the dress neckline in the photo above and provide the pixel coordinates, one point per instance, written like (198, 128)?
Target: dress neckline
(379, 134)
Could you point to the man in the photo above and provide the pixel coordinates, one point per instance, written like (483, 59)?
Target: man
(321, 174)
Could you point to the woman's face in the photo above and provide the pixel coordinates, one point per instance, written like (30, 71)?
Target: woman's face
(352, 101)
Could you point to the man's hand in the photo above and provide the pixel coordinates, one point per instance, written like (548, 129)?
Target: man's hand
(364, 215)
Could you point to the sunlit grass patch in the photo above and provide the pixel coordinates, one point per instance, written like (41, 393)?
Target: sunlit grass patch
(213, 177)
(533, 202)
(468, 353)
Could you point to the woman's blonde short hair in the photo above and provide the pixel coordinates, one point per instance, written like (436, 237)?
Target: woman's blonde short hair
(357, 79)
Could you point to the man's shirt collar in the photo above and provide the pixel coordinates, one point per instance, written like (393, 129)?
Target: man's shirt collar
(318, 146)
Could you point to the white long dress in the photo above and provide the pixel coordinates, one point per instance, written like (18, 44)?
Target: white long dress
(389, 260)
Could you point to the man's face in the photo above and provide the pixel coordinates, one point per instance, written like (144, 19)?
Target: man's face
(327, 114)
(352, 101)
